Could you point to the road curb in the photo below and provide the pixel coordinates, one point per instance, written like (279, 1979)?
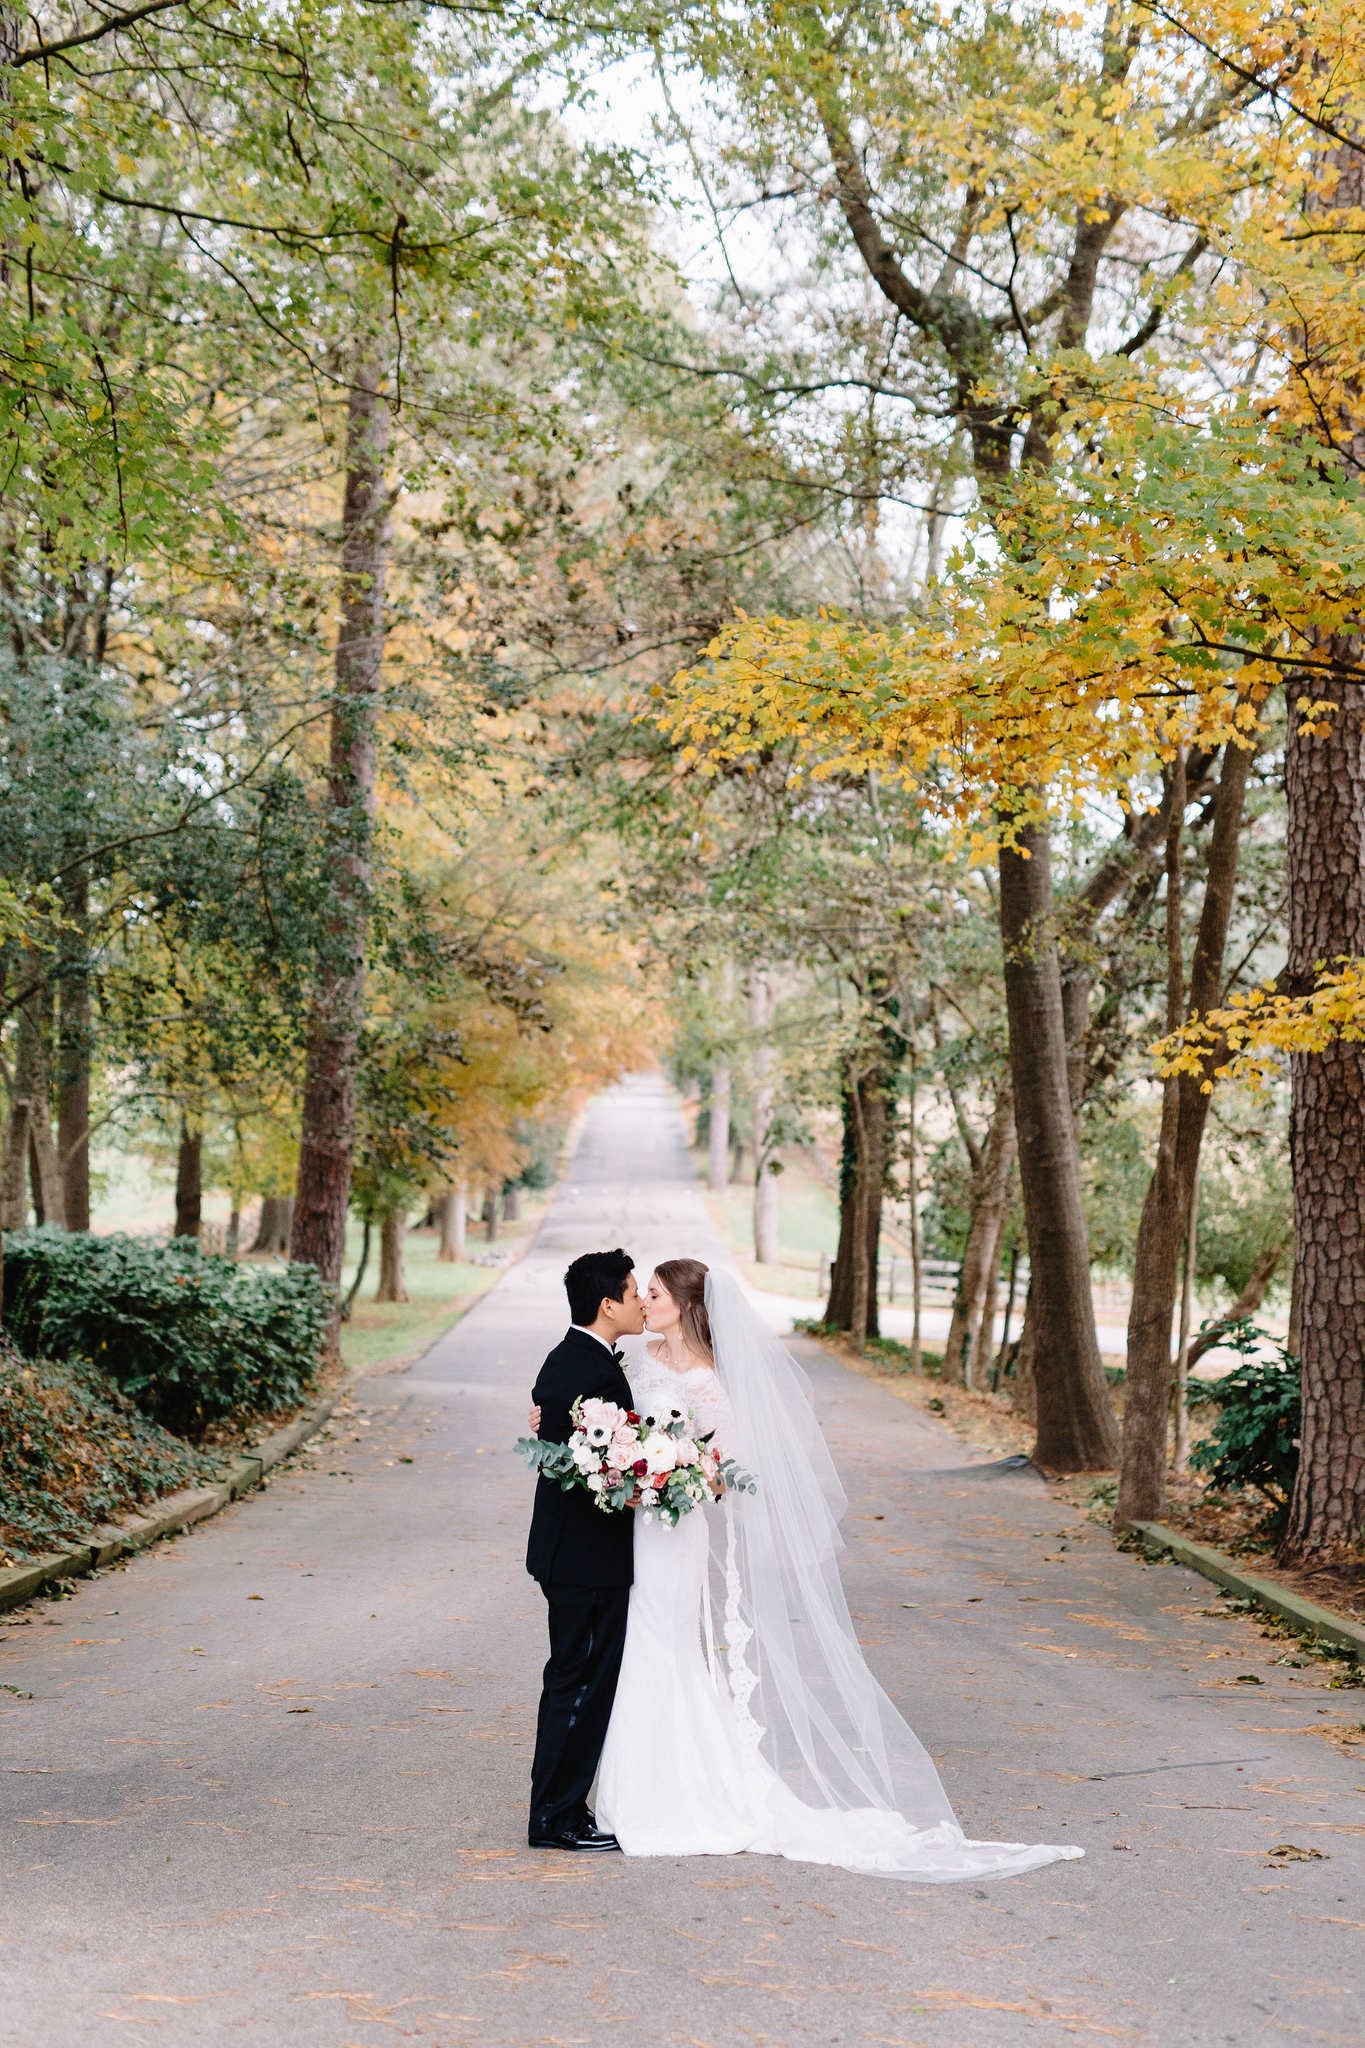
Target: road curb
(1322, 1622)
(170, 1517)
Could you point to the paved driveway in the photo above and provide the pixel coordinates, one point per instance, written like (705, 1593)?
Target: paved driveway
(266, 1785)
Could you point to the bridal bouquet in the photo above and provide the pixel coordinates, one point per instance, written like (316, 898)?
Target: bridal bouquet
(624, 1460)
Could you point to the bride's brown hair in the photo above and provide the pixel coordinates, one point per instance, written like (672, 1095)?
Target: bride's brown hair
(685, 1280)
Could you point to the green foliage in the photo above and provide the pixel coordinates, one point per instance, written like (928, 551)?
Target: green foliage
(75, 1452)
(1255, 1439)
(190, 1339)
(1245, 1211)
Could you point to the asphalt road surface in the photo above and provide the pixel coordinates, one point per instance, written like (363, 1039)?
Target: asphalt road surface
(267, 1784)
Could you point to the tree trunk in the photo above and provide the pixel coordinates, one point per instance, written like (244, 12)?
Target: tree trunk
(1180, 1390)
(1076, 1428)
(1325, 784)
(1184, 1113)
(916, 1237)
(511, 1204)
(393, 1229)
(31, 1084)
(989, 1203)
(862, 1315)
(73, 1057)
(1024, 1398)
(718, 1138)
(1325, 848)
(983, 1339)
(273, 1227)
(869, 1115)
(328, 1135)
(765, 1178)
(490, 1213)
(454, 1221)
(189, 1183)
(1002, 1355)
(14, 1171)
(362, 1263)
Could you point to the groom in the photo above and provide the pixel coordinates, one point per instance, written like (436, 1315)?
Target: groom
(582, 1560)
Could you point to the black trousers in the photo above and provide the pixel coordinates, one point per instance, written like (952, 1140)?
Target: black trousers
(587, 1637)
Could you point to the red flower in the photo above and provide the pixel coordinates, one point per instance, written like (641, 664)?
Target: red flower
(639, 1468)
(631, 1416)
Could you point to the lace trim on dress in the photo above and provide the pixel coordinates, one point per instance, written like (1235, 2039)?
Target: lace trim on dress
(738, 1635)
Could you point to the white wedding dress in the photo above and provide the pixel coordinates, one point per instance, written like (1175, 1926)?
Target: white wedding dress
(745, 1717)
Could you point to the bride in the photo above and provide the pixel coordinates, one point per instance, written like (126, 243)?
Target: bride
(745, 1717)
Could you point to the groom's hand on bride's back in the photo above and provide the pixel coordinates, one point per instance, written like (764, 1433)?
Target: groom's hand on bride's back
(533, 1419)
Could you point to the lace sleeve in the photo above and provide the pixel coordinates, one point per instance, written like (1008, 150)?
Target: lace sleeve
(711, 1408)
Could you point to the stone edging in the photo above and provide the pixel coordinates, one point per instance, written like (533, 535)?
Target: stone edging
(170, 1516)
(1322, 1622)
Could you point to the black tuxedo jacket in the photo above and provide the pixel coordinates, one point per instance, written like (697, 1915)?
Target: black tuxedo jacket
(572, 1542)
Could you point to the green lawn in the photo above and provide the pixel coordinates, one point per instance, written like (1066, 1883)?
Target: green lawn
(391, 1334)
(807, 1224)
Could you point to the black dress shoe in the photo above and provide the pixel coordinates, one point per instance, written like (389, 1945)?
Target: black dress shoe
(578, 1836)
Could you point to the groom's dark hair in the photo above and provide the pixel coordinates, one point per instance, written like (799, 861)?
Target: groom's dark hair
(595, 1278)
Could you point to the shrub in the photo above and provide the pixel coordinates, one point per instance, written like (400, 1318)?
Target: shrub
(74, 1452)
(1255, 1439)
(191, 1339)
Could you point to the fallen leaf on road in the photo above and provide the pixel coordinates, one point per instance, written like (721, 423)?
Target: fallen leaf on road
(1290, 1852)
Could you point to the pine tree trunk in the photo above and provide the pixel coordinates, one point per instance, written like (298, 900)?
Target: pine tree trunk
(73, 1057)
(1184, 1112)
(765, 1179)
(1076, 1427)
(189, 1183)
(989, 1202)
(1325, 784)
(393, 1228)
(454, 1221)
(1325, 847)
(328, 1136)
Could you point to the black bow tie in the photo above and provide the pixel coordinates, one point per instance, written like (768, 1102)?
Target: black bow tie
(618, 1356)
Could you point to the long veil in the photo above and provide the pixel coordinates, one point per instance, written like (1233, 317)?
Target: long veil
(853, 1775)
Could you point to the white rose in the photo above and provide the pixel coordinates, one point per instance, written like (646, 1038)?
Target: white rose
(596, 1482)
(584, 1458)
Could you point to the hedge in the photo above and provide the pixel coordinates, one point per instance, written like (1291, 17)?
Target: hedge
(190, 1338)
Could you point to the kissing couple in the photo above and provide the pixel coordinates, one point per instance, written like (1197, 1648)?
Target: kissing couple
(707, 1673)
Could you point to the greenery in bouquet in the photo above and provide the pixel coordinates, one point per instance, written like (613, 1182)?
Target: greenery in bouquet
(661, 1465)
